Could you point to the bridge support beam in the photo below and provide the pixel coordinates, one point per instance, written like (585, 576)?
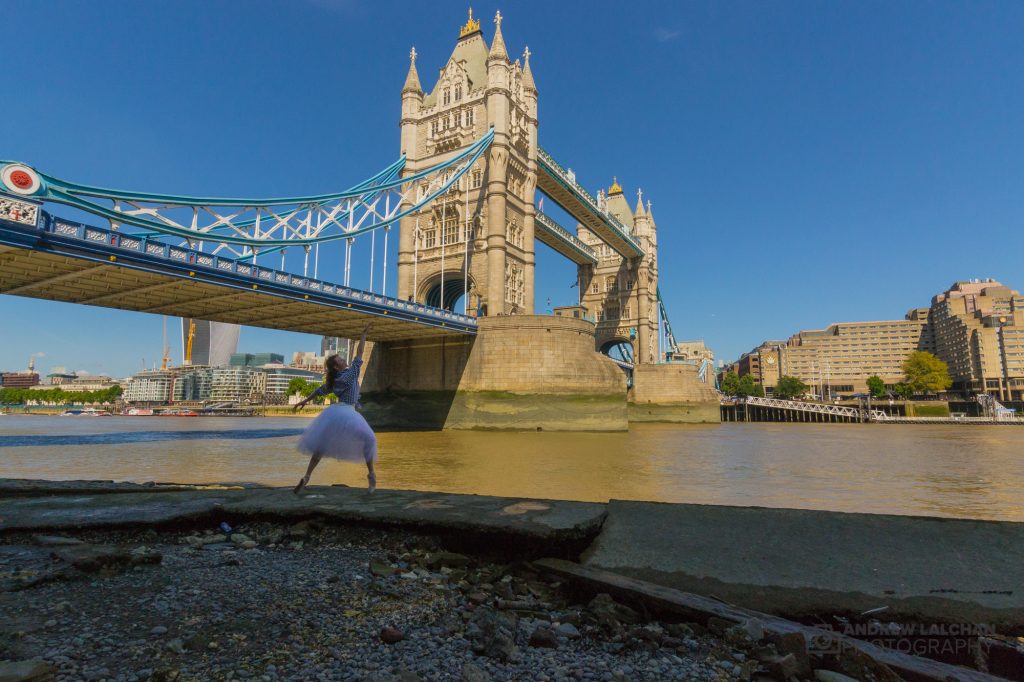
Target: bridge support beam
(672, 393)
(521, 372)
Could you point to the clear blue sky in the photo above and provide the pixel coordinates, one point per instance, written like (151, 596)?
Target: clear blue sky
(809, 162)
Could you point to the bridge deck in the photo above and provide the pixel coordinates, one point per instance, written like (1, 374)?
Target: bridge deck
(75, 263)
(556, 182)
(564, 242)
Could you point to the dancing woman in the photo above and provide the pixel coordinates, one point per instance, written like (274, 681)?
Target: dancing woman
(339, 431)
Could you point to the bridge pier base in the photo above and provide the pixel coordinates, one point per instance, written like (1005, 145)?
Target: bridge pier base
(672, 393)
(520, 372)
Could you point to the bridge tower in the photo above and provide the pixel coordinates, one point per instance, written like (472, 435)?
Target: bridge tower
(622, 293)
(479, 238)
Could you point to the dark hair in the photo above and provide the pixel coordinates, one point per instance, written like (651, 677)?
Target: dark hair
(332, 371)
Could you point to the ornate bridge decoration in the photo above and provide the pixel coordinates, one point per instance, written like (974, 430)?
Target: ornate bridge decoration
(248, 227)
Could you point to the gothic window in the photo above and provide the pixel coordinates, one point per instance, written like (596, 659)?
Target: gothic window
(515, 284)
(430, 235)
(514, 232)
(625, 312)
(458, 92)
(433, 127)
(611, 312)
(470, 116)
(451, 227)
(629, 284)
(477, 178)
(611, 283)
(595, 288)
(447, 99)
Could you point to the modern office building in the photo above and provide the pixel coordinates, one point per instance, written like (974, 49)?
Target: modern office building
(213, 343)
(255, 359)
(979, 332)
(149, 386)
(279, 376)
(237, 384)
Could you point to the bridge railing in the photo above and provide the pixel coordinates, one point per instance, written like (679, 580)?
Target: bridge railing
(568, 237)
(190, 257)
(570, 182)
(819, 408)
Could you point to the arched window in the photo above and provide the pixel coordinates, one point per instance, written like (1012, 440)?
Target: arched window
(458, 92)
(447, 97)
(611, 283)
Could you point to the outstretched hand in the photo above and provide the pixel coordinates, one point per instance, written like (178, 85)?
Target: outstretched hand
(298, 406)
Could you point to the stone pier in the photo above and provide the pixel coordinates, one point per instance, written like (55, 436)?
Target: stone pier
(521, 372)
(671, 393)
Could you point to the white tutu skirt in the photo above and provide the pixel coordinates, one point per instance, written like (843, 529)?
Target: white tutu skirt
(340, 432)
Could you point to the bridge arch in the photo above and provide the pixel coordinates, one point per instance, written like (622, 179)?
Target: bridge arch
(618, 348)
(446, 291)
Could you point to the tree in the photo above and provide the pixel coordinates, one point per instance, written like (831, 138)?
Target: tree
(790, 387)
(730, 383)
(746, 387)
(925, 373)
(876, 386)
(903, 391)
(759, 390)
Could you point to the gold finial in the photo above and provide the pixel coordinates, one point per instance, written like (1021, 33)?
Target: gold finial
(616, 188)
(472, 26)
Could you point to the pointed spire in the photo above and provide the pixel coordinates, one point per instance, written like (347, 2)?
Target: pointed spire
(650, 213)
(639, 212)
(412, 80)
(498, 50)
(528, 83)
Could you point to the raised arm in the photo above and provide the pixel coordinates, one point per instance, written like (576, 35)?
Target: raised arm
(362, 341)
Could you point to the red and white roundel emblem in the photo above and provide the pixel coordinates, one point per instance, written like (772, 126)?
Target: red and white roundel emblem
(20, 179)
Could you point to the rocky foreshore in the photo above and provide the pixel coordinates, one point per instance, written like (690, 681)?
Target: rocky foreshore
(310, 602)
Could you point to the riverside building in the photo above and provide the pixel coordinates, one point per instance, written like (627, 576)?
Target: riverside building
(976, 327)
(979, 332)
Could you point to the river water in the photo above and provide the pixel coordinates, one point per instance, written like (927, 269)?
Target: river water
(941, 470)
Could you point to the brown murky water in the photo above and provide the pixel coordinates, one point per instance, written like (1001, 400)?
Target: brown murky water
(964, 471)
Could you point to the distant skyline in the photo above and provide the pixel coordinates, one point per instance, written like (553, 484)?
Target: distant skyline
(808, 163)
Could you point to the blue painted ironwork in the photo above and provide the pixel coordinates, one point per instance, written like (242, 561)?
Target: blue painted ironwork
(72, 239)
(670, 339)
(256, 223)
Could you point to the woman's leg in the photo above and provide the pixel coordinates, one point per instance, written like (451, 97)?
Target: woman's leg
(313, 461)
(370, 453)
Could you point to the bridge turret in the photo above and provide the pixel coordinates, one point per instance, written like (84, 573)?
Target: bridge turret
(641, 225)
(412, 102)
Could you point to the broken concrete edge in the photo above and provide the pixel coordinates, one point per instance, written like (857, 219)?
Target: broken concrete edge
(659, 599)
(28, 487)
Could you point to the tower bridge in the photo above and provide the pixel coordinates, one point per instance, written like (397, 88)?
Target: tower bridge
(463, 194)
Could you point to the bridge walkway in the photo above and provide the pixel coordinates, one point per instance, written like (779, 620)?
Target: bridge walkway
(66, 261)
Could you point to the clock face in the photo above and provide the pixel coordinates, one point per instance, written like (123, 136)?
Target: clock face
(18, 211)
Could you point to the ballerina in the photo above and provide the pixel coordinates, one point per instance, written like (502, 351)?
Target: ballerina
(339, 431)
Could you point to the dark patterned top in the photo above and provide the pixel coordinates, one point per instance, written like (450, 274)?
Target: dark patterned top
(346, 384)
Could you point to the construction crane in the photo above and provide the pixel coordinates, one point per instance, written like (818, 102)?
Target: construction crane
(188, 344)
(167, 349)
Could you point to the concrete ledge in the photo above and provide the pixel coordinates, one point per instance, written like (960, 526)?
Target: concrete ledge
(800, 563)
(515, 520)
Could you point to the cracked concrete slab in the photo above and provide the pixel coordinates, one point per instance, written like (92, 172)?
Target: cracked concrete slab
(799, 563)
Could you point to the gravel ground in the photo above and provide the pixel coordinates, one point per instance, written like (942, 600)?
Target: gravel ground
(277, 602)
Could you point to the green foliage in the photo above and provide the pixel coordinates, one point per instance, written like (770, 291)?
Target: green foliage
(57, 396)
(729, 383)
(903, 391)
(301, 386)
(876, 386)
(790, 387)
(758, 390)
(925, 373)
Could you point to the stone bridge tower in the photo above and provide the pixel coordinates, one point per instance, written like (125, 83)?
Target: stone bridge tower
(621, 293)
(478, 239)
